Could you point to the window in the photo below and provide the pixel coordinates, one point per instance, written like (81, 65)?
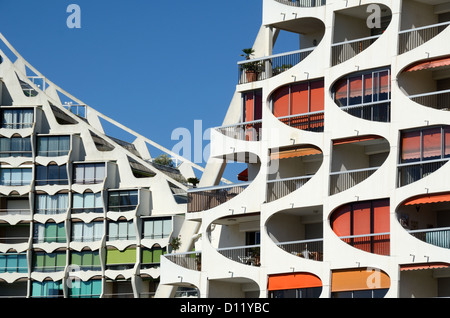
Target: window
(425, 144)
(49, 233)
(87, 202)
(52, 204)
(157, 228)
(357, 222)
(15, 147)
(368, 293)
(53, 146)
(86, 260)
(89, 289)
(49, 262)
(17, 118)
(120, 201)
(297, 293)
(152, 257)
(47, 289)
(13, 263)
(87, 232)
(89, 173)
(365, 95)
(122, 230)
(116, 259)
(15, 176)
(51, 175)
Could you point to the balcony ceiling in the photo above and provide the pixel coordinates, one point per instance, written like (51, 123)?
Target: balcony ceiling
(360, 12)
(301, 26)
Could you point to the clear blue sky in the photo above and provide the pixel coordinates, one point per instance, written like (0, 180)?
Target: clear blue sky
(151, 65)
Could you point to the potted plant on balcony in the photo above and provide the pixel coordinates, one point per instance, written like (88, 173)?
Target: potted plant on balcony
(251, 68)
(193, 181)
(175, 243)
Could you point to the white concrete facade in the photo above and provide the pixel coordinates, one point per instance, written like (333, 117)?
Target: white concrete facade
(236, 219)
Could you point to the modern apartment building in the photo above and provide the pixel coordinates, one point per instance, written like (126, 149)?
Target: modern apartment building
(344, 144)
(83, 214)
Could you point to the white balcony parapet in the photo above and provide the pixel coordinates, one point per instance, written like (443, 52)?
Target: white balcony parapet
(189, 260)
(281, 187)
(343, 51)
(343, 180)
(412, 38)
(269, 66)
(202, 199)
(437, 100)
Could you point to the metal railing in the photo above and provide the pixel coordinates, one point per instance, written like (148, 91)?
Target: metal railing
(248, 255)
(189, 260)
(249, 131)
(376, 111)
(282, 187)
(202, 199)
(414, 171)
(15, 211)
(14, 240)
(437, 100)
(438, 236)
(308, 249)
(269, 66)
(412, 38)
(343, 51)
(313, 121)
(303, 3)
(343, 180)
(377, 243)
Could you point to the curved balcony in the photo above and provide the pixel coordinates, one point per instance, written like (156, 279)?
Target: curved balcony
(422, 152)
(364, 225)
(298, 231)
(306, 31)
(425, 218)
(426, 82)
(354, 32)
(303, 3)
(300, 105)
(368, 153)
(248, 254)
(291, 168)
(366, 94)
(417, 29)
(188, 260)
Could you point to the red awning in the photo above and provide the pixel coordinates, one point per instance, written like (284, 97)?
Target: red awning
(422, 266)
(432, 198)
(420, 66)
(243, 176)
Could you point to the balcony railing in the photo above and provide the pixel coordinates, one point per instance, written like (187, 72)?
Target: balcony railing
(438, 236)
(412, 38)
(15, 211)
(313, 121)
(376, 111)
(414, 171)
(269, 66)
(189, 260)
(250, 131)
(308, 249)
(202, 199)
(437, 100)
(378, 243)
(303, 3)
(248, 255)
(343, 180)
(279, 188)
(343, 51)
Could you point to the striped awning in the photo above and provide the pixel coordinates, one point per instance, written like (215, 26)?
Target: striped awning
(423, 266)
(429, 198)
(430, 64)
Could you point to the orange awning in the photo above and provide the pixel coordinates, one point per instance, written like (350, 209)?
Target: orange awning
(432, 198)
(293, 281)
(413, 267)
(359, 279)
(441, 62)
(294, 152)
